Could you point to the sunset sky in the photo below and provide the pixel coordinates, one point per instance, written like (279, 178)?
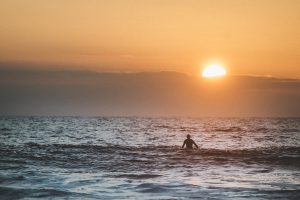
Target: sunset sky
(73, 57)
(249, 37)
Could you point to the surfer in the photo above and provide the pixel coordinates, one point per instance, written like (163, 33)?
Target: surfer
(189, 142)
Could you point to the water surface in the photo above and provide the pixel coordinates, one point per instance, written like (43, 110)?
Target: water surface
(141, 158)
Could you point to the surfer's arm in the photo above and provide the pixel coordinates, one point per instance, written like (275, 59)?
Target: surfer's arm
(195, 144)
(183, 144)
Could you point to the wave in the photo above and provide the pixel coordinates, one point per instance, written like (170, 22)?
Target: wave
(60, 148)
(230, 129)
(153, 147)
(5, 129)
(143, 154)
(18, 193)
(137, 176)
(290, 130)
(151, 188)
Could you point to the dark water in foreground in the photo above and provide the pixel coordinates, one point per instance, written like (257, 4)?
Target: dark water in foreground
(140, 158)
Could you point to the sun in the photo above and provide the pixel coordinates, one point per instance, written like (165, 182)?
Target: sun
(213, 71)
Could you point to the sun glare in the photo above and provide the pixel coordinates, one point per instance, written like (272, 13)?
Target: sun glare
(213, 71)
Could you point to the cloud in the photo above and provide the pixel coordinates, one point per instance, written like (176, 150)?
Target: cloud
(45, 92)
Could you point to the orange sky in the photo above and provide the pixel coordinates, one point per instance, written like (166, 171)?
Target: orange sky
(260, 37)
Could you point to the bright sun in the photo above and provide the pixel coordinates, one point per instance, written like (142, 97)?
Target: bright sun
(213, 71)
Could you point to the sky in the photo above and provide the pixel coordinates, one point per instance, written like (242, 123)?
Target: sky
(145, 57)
(248, 37)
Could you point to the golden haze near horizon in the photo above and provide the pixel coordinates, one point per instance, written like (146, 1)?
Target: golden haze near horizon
(258, 37)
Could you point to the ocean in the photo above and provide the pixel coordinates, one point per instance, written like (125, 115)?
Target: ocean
(141, 158)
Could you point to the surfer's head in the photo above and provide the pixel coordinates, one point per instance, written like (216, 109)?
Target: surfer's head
(188, 136)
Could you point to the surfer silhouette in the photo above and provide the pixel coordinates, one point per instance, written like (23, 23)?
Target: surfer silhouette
(189, 143)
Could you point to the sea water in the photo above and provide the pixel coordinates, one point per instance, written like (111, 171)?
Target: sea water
(141, 158)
